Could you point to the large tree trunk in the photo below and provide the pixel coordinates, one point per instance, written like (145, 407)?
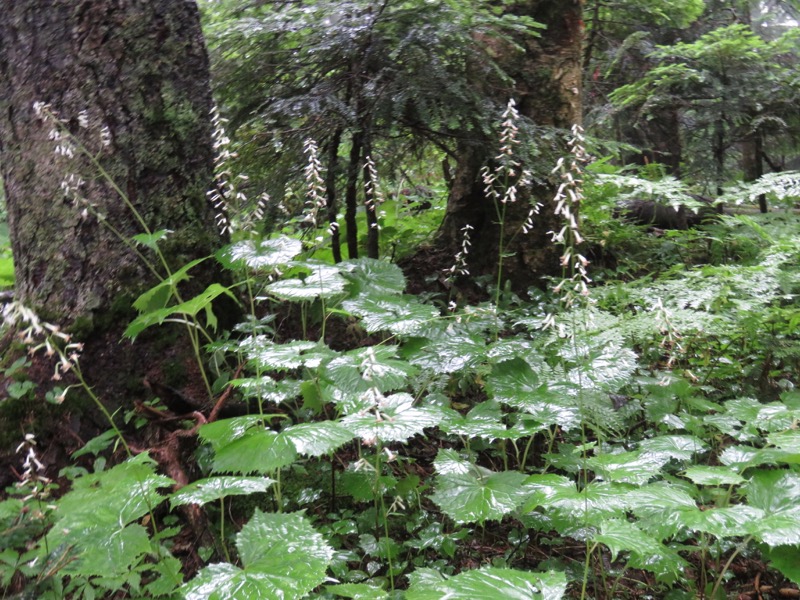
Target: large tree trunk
(547, 81)
(138, 72)
(129, 82)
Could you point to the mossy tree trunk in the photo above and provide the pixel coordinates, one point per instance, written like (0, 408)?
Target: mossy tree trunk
(126, 131)
(546, 74)
(129, 80)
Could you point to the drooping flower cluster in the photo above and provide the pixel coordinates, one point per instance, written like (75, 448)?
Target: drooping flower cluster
(373, 191)
(232, 206)
(40, 335)
(568, 199)
(316, 199)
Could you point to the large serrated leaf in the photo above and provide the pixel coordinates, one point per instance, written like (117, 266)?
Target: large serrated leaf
(392, 419)
(223, 432)
(645, 551)
(258, 451)
(104, 551)
(703, 475)
(376, 276)
(322, 281)
(266, 254)
(448, 461)
(576, 512)
(283, 557)
(470, 498)
(679, 447)
(210, 489)
(268, 355)
(366, 368)
(778, 529)
(515, 383)
(658, 507)
(787, 560)
(733, 521)
(508, 584)
(484, 420)
(773, 490)
(635, 467)
(788, 440)
(114, 497)
(357, 591)
(402, 315)
(741, 457)
(445, 349)
(317, 439)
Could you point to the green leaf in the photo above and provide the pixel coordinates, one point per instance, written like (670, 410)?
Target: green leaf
(378, 277)
(773, 490)
(190, 308)
(679, 447)
(514, 382)
(266, 254)
(788, 440)
(703, 475)
(733, 521)
(104, 550)
(402, 315)
(448, 462)
(268, 355)
(258, 451)
(317, 439)
(114, 497)
(742, 457)
(646, 552)
(778, 529)
(485, 420)
(210, 489)
(392, 419)
(445, 349)
(283, 558)
(473, 498)
(509, 584)
(150, 240)
(158, 296)
(785, 559)
(357, 591)
(322, 281)
(573, 512)
(367, 368)
(636, 467)
(659, 507)
(223, 432)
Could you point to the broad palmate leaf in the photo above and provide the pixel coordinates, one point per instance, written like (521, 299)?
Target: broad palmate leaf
(508, 584)
(475, 497)
(283, 558)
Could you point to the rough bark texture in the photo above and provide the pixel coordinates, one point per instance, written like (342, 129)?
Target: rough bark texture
(547, 82)
(129, 80)
(139, 70)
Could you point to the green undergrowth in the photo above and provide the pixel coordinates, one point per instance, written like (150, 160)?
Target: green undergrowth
(642, 443)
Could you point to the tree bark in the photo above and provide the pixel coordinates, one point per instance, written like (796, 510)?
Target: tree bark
(546, 86)
(126, 132)
(129, 79)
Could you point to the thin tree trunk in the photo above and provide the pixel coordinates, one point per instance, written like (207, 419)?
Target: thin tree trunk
(351, 194)
(330, 189)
